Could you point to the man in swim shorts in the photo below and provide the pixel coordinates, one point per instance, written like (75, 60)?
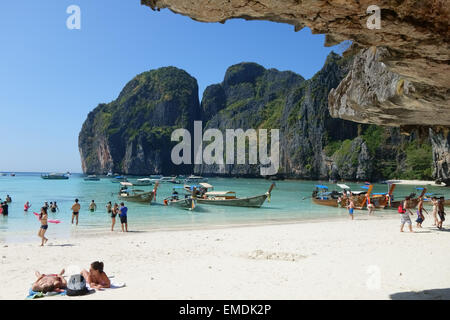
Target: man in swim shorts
(404, 215)
(123, 216)
(75, 210)
(441, 212)
(351, 207)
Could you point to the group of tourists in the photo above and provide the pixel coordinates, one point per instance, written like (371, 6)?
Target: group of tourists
(438, 213)
(76, 207)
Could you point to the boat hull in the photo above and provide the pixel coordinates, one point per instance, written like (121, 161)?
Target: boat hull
(188, 203)
(254, 202)
(145, 197)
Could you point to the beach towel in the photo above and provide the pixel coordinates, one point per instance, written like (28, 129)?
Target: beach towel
(114, 285)
(48, 220)
(38, 294)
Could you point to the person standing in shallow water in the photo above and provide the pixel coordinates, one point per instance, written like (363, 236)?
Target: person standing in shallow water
(114, 212)
(123, 217)
(43, 216)
(75, 210)
(109, 207)
(92, 206)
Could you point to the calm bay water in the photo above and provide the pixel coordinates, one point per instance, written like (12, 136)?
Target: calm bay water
(287, 204)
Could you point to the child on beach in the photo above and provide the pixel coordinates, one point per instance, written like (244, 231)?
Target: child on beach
(351, 207)
(123, 216)
(404, 215)
(92, 206)
(44, 225)
(75, 210)
(420, 216)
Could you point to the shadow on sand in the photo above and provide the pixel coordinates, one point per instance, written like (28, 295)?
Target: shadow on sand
(431, 294)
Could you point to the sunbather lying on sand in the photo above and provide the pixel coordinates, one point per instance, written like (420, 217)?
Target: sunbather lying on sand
(49, 282)
(95, 277)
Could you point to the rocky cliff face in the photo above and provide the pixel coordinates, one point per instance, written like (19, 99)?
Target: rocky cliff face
(131, 135)
(440, 139)
(415, 35)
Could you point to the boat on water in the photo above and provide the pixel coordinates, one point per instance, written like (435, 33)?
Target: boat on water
(322, 196)
(143, 182)
(169, 180)
(182, 201)
(3, 174)
(12, 174)
(55, 176)
(412, 202)
(128, 193)
(118, 179)
(228, 198)
(92, 178)
(195, 179)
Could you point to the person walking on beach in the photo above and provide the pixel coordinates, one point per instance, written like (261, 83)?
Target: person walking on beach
(75, 210)
(404, 215)
(370, 205)
(109, 207)
(123, 216)
(434, 201)
(351, 207)
(441, 212)
(115, 210)
(43, 216)
(420, 216)
(92, 206)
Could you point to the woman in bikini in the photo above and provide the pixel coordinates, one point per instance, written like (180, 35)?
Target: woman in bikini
(44, 225)
(96, 277)
(114, 213)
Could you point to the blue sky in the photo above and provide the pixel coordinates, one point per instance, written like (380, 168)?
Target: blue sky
(51, 77)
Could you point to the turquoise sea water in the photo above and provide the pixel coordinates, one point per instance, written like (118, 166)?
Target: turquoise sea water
(287, 204)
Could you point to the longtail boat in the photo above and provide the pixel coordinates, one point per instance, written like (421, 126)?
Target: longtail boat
(136, 195)
(228, 198)
(412, 202)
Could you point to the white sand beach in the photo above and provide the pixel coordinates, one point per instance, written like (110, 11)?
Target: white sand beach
(367, 258)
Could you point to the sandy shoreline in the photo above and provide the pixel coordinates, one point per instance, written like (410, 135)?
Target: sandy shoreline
(367, 258)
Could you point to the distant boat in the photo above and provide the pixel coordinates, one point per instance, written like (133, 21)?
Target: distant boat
(169, 180)
(55, 176)
(143, 182)
(3, 174)
(13, 174)
(92, 178)
(195, 179)
(228, 198)
(118, 179)
(109, 174)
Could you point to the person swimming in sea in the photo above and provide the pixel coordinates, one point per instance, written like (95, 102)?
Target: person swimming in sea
(8, 198)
